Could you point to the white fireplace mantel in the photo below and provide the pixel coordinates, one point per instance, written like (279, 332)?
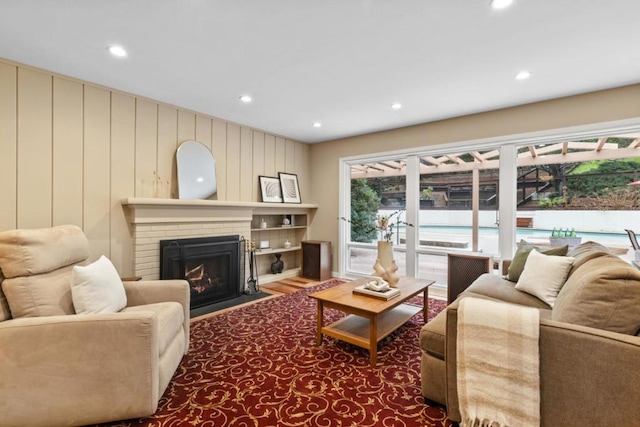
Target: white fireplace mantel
(149, 210)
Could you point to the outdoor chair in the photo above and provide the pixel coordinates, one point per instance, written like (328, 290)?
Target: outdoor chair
(634, 240)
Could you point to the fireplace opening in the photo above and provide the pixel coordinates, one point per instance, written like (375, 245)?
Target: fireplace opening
(213, 266)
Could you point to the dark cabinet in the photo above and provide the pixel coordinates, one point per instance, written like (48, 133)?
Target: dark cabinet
(316, 259)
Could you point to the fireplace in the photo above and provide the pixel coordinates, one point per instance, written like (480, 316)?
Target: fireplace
(213, 266)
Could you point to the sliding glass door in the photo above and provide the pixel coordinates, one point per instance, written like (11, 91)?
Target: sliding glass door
(377, 190)
(486, 196)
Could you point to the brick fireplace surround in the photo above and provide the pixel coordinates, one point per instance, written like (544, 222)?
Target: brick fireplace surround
(153, 220)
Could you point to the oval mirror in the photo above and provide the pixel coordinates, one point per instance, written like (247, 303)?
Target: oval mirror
(196, 171)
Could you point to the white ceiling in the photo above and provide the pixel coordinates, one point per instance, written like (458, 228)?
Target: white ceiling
(339, 62)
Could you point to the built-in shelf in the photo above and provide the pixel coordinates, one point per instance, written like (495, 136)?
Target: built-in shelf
(278, 228)
(276, 250)
(269, 227)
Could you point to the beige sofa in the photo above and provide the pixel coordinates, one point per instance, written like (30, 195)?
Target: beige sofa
(589, 348)
(59, 368)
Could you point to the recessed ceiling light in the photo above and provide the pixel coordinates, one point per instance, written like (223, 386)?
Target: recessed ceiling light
(245, 98)
(117, 51)
(500, 4)
(317, 125)
(396, 106)
(523, 75)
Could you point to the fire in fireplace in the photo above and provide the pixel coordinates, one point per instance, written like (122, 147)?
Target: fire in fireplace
(213, 266)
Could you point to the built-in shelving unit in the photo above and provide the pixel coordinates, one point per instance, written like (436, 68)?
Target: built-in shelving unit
(271, 232)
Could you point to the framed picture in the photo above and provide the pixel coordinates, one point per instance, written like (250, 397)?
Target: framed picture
(290, 189)
(270, 189)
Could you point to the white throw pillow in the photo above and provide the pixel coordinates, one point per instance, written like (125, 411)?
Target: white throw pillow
(544, 275)
(97, 288)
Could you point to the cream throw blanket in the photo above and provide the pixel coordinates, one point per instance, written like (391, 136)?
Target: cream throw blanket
(498, 364)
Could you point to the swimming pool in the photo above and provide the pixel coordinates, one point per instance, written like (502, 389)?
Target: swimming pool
(488, 236)
(622, 237)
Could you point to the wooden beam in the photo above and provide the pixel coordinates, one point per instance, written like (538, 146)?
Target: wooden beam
(455, 158)
(476, 155)
(544, 149)
(532, 151)
(601, 142)
(491, 154)
(374, 167)
(579, 145)
(434, 161)
(393, 164)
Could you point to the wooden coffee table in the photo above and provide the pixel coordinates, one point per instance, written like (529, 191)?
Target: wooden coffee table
(371, 319)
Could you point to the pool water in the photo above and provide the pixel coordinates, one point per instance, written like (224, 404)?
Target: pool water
(488, 236)
(622, 238)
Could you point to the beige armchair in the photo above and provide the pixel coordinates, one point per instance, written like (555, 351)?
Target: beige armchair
(59, 368)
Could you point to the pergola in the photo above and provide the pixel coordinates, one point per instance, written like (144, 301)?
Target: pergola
(533, 155)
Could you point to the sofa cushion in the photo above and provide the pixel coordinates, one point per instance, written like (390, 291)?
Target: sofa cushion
(544, 275)
(5, 312)
(496, 287)
(47, 294)
(433, 335)
(585, 252)
(170, 320)
(97, 288)
(35, 251)
(522, 253)
(603, 293)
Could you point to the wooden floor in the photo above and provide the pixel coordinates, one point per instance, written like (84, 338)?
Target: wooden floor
(288, 285)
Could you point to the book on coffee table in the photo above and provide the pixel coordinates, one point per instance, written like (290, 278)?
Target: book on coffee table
(385, 295)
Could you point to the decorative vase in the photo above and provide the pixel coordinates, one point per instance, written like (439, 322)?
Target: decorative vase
(385, 253)
(392, 277)
(277, 265)
(378, 270)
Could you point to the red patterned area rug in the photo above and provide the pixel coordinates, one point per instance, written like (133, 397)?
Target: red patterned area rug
(259, 365)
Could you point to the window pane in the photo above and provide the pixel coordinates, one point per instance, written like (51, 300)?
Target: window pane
(446, 208)
(568, 193)
(378, 190)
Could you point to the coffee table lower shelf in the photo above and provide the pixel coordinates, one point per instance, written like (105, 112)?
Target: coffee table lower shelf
(357, 330)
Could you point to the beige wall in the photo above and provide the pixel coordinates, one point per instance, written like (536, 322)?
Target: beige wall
(597, 107)
(71, 150)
